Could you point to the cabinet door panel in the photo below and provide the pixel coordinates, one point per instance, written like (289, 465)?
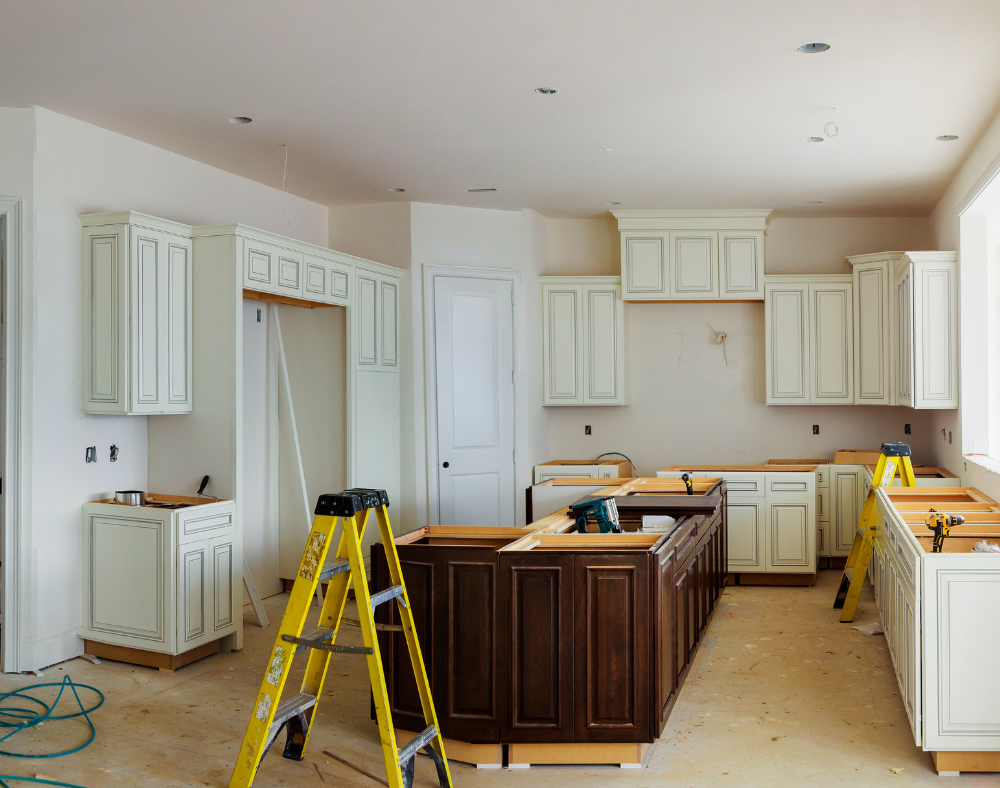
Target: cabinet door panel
(788, 538)
(421, 576)
(390, 340)
(787, 345)
(741, 265)
(935, 326)
(561, 338)
(367, 310)
(845, 486)
(612, 647)
(178, 313)
(645, 266)
(665, 633)
(223, 584)
(694, 265)
(746, 542)
(472, 692)
(871, 334)
(192, 571)
(904, 337)
(106, 296)
(540, 604)
(147, 265)
(289, 274)
(602, 347)
(260, 267)
(832, 343)
(340, 279)
(315, 281)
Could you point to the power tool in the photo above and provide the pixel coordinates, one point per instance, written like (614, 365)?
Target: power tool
(941, 525)
(686, 478)
(603, 510)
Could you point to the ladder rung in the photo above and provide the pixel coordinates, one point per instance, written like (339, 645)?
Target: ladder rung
(390, 593)
(335, 568)
(380, 627)
(318, 635)
(319, 643)
(418, 743)
(288, 709)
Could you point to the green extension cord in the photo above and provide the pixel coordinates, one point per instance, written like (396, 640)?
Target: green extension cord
(21, 718)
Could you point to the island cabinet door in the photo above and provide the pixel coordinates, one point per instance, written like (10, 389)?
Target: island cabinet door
(613, 648)
(684, 576)
(422, 571)
(665, 652)
(538, 599)
(471, 672)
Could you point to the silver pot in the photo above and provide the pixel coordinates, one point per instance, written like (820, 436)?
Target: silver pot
(130, 497)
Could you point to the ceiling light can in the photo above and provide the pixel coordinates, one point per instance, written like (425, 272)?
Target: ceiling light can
(240, 120)
(812, 49)
(480, 191)
(814, 139)
(397, 189)
(814, 202)
(546, 91)
(612, 203)
(947, 138)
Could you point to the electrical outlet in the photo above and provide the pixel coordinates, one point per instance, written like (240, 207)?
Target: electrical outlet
(586, 429)
(815, 429)
(258, 315)
(949, 436)
(906, 429)
(91, 454)
(114, 454)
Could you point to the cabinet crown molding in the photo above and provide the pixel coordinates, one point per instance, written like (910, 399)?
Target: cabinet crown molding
(771, 279)
(728, 219)
(132, 217)
(580, 280)
(874, 257)
(930, 257)
(245, 231)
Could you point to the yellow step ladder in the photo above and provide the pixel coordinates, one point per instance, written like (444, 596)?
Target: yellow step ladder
(270, 713)
(892, 457)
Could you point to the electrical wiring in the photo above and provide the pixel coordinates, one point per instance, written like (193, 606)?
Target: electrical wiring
(32, 711)
(618, 453)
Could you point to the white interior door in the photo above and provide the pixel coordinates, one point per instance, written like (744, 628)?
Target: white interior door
(474, 356)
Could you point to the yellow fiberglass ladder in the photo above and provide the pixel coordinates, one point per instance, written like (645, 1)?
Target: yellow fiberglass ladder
(296, 714)
(892, 457)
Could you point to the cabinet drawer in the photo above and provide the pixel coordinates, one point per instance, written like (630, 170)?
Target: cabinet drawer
(745, 485)
(205, 524)
(822, 476)
(823, 504)
(791, 484)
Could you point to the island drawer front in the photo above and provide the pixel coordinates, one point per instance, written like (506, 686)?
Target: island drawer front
(791, 484)
(205, 524)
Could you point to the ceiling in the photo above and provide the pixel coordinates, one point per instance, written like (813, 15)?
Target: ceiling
(703, 104)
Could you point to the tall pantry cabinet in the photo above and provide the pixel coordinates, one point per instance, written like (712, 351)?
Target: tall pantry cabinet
(583, 341)
(137, 293)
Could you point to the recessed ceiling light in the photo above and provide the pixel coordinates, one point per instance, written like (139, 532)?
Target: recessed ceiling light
(605, 149)
(545, 91)
(814, 202)
(812, 49)
(947, 138)
(397, 190)
(814, 139)
(239, 119)
(612, 203)
(477, 191)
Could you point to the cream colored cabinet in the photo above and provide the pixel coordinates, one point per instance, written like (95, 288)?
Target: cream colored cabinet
(271, 268)
(791, 541)
(159, 579)
(746, 539)
(326, 280)
(873, 321)
(823, 511)
(847, 489)
(583, 341)
(377, 321)
(809, 340)
(137, 315)
(926, 329)
(692, 255)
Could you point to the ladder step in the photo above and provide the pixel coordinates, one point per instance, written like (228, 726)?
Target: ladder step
(335, 568)
(288, 709)
(418, 743)
(384, 596)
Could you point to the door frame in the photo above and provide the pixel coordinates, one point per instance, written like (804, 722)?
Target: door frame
(430, 373)
(15, 443)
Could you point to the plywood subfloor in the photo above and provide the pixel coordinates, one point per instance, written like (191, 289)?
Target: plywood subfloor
(781, 694)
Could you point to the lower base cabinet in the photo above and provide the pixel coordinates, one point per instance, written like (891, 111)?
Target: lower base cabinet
(561, 645)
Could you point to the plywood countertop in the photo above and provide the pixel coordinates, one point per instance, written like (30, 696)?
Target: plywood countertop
(744, 468)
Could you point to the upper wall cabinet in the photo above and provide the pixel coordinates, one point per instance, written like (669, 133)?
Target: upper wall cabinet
(137, 299)
(692, 255)
(906, 329)
(583, 341)
(377, 321)
(809, 340)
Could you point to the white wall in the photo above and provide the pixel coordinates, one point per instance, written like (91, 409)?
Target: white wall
(80, 168)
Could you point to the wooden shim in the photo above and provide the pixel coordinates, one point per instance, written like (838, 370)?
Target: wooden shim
(986, 761)
(151, 659)
(575, 753)
(775, 579)
(286, 300)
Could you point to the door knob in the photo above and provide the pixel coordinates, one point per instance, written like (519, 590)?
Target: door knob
(445, 464)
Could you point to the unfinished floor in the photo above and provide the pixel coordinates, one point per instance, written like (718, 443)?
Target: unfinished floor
(780, 694)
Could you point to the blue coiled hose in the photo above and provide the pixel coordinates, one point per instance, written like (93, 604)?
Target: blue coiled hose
(18, 718)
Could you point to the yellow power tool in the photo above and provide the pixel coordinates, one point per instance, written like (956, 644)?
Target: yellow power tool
(941, 524)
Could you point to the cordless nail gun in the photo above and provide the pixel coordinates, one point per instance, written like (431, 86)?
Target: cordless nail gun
(941, 524)
(602, 510)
